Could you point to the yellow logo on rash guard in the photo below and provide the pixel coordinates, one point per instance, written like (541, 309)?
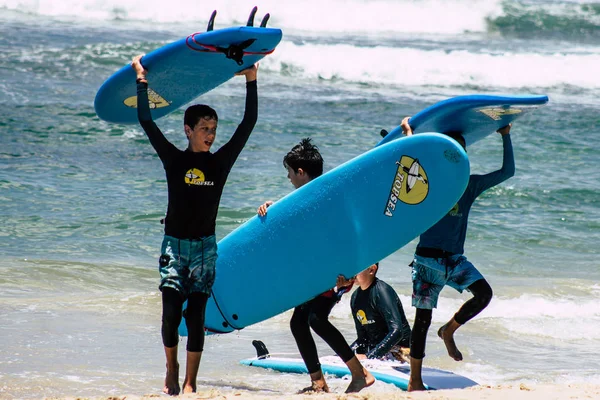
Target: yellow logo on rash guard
(410, 184)
(194, 177)
(362, 318)
(454, 211)
(155, 100)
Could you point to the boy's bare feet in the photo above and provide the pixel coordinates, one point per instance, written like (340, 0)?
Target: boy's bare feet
(356, 385)
(447, 335)
(316, 387)
(172, 381)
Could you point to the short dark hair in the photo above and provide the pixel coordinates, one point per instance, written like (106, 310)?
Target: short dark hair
(458, 136)
(194, 113)
(305, 155)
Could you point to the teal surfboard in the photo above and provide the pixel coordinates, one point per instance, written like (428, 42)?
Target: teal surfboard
(183, 70)
(340, 223)
(475, 116)
(392, 372)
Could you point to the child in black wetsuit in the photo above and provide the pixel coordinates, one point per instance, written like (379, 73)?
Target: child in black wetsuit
(381, 326)
(304, 163)
(195, 181)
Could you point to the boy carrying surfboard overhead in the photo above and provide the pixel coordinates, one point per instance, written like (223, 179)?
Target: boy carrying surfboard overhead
(439, 261)
(304, 163)
(195, 181)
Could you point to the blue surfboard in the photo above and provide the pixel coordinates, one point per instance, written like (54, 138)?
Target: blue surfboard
(392, 372)
(181, 71)
(340, 223)
(476, 116)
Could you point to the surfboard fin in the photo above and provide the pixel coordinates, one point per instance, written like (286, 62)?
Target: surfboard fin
(261, 350)
(211, 21)
(251, 17)
(264, 21)
(383, 133)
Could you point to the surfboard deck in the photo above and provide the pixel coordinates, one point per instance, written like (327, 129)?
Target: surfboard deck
(183, 70)
(339, 223)
(392, 372)
(476, 116)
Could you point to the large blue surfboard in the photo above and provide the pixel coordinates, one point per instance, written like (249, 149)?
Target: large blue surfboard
(340, 223)
(392, 372)
(181, 71)
(475, 116)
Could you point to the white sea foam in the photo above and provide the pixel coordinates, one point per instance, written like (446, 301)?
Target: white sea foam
(415, 67)
(433, 16)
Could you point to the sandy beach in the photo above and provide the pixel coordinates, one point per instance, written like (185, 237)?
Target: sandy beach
(500, 392)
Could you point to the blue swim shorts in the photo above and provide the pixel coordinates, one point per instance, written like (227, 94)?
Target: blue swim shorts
(188, 265)
(430, 275)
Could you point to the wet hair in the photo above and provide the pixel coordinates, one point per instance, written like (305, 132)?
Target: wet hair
(457, 135)
(305, 155)
(194, 113)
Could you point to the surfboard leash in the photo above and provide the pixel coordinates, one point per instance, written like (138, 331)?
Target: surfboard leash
(236, 52)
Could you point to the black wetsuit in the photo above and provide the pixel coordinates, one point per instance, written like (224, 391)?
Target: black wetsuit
(315, 314)
(380, 320)
(195, 180)
(195, 183)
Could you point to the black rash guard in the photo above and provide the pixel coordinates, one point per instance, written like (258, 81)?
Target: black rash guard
(195, 180)
(379, 319)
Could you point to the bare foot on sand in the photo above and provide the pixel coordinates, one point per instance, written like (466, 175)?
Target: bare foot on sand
(316, 387)
(415, 386)
(448, 338)
(189, 387)
(359, 384)
(172, 381)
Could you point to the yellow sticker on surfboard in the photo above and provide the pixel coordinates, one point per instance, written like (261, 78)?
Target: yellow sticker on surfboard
(154, 99)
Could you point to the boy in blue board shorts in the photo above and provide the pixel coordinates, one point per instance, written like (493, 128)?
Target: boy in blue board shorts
(304, 163)
(439, 261)
(195, 181)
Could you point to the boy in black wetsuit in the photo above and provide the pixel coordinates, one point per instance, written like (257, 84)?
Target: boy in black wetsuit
(304, 163)
(195, 180)
(381, 326)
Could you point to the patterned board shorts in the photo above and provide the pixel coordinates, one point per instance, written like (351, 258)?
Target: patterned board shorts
(188, 265)
(430, 275)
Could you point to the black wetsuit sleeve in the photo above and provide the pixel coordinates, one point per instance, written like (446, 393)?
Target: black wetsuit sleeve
(360, 344)
(484, 182)
(232, 149)
(388, 304)
(161, 145)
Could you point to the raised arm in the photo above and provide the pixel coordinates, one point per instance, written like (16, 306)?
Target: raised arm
(484, 182)
(232, 149)
(161, 145)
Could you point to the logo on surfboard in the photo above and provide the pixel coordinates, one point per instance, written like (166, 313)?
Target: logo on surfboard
(410, 184)
(154, 99)
(496, 113)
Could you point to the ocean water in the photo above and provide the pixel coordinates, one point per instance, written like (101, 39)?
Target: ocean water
(81, 199)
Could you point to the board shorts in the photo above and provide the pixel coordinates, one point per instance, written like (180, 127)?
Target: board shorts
(430, 275)
(188, 265)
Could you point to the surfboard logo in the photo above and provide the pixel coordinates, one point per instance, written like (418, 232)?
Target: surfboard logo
(410, 184)
(155, 100)
(496, 113)
(196, 177)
